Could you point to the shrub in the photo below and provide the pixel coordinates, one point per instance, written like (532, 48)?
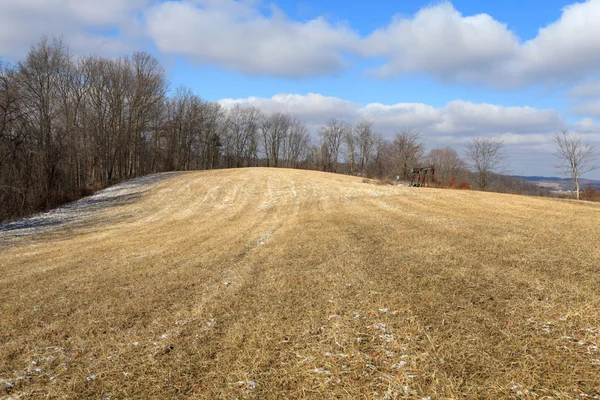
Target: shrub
(590, 194)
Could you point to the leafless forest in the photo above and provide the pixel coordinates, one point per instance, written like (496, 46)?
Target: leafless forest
(71, 125)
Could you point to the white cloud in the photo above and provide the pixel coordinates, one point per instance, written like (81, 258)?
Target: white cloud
(236, 35)
(463, 118)
(85, 25)
(441, 42)
(588, 108)
(585, 90)
(588, 127)
(438, 40)
(242, 35)
(586, 99)
(567, 49)
(311, 108)
(459, 119)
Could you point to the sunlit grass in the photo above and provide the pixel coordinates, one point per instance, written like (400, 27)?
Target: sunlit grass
(270, 283)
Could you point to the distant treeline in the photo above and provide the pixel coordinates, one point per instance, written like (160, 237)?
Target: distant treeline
(73, 125)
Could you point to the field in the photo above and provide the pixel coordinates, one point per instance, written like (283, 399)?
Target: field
(274, 284)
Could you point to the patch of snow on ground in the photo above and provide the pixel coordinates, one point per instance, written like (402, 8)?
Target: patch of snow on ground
(81, 211)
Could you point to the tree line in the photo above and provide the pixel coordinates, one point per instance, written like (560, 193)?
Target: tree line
(73, 125)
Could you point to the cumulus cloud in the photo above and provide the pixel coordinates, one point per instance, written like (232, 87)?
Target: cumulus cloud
(441, 42)
(437, 41)
(247, 36)
(586, 99)
(587, 108)
(311, 108)
(87, 26)
(589, 128)
(459, 119)
(238, 36)
(566, 49)
(585, 90)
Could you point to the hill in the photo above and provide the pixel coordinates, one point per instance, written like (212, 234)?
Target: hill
(271, 283)
(553, 183)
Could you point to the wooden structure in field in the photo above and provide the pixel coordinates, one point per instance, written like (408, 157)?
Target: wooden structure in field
(422, 176)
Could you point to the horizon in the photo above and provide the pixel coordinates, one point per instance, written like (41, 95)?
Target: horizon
(451, 70)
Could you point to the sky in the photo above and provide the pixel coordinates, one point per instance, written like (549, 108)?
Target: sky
(517, 71)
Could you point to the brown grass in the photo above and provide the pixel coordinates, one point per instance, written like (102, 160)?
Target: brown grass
(270, 284)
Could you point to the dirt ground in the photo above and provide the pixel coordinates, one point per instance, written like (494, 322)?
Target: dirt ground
(272, 284)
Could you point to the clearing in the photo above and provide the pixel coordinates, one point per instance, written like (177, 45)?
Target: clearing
(272, 283)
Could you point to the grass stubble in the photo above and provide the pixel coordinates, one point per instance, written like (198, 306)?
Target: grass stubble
(271, 283)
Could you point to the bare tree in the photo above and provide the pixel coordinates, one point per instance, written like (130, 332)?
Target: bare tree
(365, 139)
(145, 98)
(274, 128)
(485, 156)
(377, 164)
(296, 144)
(351, 140)
(332, 136)
(405, 152)
(241, 140)
(577, 157)
(39, 78)
(15, 150)
(447, 163)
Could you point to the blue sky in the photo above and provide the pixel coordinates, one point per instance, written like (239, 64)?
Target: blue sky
(518, 71)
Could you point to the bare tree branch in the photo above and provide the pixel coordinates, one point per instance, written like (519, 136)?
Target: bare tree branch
(485, 156)
(577, 157)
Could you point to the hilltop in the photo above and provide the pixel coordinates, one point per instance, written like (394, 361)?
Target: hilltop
(275, 283)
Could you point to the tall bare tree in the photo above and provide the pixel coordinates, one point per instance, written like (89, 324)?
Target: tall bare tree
(405, 152)
(485, 156)
(378, 161)
(447, 163)
(577, 157)
(241, 141)
(39, 78)
(295, 146)
(351, 140)
(15, 148)
(365, 141)
(274, 128)
(332, 136)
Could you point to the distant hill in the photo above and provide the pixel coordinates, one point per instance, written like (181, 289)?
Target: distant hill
(554, 183)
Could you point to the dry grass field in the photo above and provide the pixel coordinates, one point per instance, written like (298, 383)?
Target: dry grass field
(275, 284)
